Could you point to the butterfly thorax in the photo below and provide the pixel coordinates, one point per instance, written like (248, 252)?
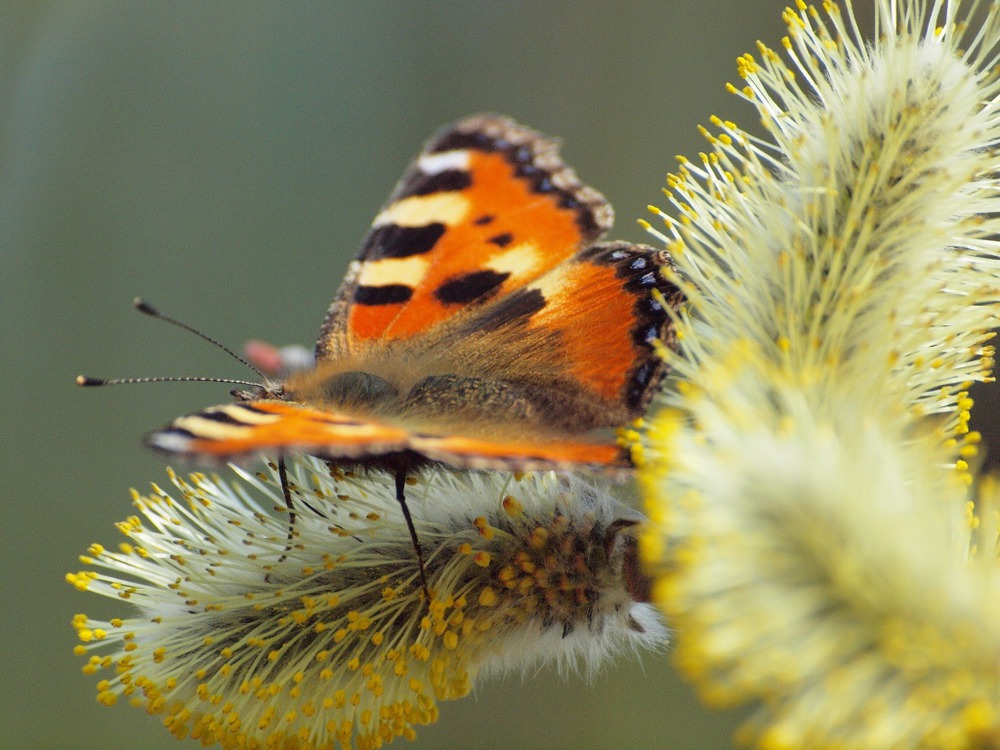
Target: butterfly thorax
(432, 402)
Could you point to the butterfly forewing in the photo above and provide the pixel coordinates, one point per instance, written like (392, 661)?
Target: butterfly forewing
(486, 208)
(592, 322)
(267, 427)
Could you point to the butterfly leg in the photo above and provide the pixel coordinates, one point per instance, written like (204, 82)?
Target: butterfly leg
(287, 493)
(400, 477)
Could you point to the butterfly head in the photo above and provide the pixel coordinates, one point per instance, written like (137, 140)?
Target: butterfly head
(257, 391)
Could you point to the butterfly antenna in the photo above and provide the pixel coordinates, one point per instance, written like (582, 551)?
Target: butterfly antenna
(86, 380)
(400, 477)
(144, 307)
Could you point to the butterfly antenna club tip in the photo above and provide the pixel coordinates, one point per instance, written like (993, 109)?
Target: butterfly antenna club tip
(144, 307)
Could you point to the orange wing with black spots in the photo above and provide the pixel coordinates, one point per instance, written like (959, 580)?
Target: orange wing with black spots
(486, 208)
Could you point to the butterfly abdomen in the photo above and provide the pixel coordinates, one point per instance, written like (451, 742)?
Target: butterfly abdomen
(488, 401)
(441, 398)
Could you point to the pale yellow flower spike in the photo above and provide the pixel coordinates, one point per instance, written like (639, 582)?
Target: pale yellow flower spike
(807, 482)
(240, 639)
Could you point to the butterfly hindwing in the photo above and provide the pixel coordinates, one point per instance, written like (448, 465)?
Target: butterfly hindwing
(487, 207)
(580, 338)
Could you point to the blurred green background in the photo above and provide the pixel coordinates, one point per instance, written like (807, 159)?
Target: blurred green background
(223, 160)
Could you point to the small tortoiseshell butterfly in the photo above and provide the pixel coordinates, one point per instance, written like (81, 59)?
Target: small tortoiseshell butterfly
(481, 327)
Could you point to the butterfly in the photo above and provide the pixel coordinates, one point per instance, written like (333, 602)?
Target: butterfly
(482, 327)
